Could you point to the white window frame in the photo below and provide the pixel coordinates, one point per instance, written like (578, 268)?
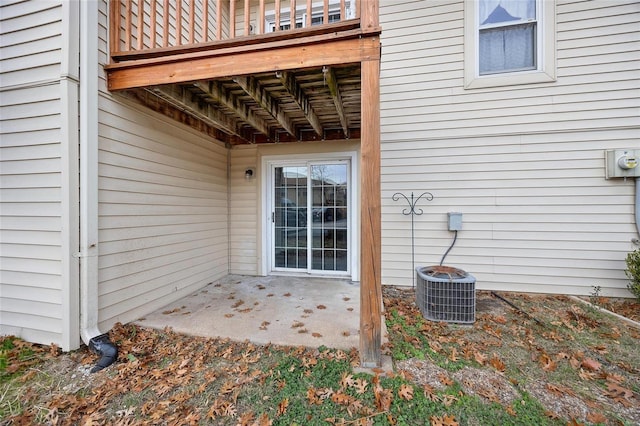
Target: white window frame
(545, 71)
(316, 12)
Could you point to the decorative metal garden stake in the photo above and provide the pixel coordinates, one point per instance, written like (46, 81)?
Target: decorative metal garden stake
(412, 211)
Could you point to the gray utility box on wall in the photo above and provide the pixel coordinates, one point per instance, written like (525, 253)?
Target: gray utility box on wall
(446, 294)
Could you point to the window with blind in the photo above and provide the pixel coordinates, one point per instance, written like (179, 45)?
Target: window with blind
(509, 42)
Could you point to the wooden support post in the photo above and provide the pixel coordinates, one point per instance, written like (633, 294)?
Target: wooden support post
(369, 14)
(370, 216)
(153, 25)
(261, 18)
(247, 17)
(166, 12)
(309, 13)
(205, 21)
(178, 23)
(127, 25)
(140, 34)
(192, 22)
(114, 31)
(219, 20)
(232, 19)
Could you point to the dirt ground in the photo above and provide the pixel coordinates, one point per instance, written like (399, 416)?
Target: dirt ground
(577, 361)
(580, 363)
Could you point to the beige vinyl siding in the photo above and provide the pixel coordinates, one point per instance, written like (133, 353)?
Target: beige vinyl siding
(524, 164)
(243, 211)
(162, 213)
(34, 253)
(31, 42)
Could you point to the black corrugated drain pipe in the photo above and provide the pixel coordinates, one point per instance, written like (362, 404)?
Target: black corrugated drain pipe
(108, 352)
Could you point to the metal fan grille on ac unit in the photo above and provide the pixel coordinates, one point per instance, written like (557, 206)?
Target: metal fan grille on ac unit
(446, 294)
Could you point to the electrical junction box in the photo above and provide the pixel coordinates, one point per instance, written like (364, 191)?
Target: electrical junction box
(622, 163)
(455, 221)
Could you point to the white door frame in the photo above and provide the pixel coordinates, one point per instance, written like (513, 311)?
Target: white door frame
(266, 178)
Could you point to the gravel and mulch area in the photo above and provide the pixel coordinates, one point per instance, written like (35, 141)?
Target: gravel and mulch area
(579, 362)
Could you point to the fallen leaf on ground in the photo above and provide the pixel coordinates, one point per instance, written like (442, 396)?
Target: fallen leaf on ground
(446, 420)
(480, 357)
(619, 394)
(282, 406)
(445, 379)
(406, 392)
(497, 364)
(591, 364)
(596, 418)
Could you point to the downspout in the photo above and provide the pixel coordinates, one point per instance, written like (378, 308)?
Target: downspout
(97, 342)
(637, 240)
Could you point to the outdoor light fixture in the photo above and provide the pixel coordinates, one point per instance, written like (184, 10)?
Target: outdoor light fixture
(248, 174)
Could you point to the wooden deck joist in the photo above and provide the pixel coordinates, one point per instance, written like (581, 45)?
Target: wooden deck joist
(252, 87)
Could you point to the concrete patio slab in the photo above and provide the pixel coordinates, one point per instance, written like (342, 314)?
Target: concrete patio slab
(279, 310)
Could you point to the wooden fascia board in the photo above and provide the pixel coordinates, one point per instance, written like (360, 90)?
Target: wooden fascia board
(218, 64)
(214, 90)
(293, 88)
(334, 89)
(252, 88)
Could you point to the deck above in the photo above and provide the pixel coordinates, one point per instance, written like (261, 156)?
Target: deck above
(253, 78)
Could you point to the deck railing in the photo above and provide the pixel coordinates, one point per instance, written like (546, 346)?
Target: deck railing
(146, 25)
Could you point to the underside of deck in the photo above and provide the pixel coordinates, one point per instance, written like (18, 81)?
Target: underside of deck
(297, 85)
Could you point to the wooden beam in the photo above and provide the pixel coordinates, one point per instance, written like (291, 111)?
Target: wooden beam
(182, 99)
(281, 55)
(214, 90)
(252, 88)
(292, 87)
(152, 101)
(332, 83)
(370, 217)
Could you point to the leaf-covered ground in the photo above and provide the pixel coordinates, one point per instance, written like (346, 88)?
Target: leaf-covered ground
(550, 361)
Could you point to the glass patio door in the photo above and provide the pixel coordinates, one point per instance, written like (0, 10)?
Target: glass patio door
(310, 217)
